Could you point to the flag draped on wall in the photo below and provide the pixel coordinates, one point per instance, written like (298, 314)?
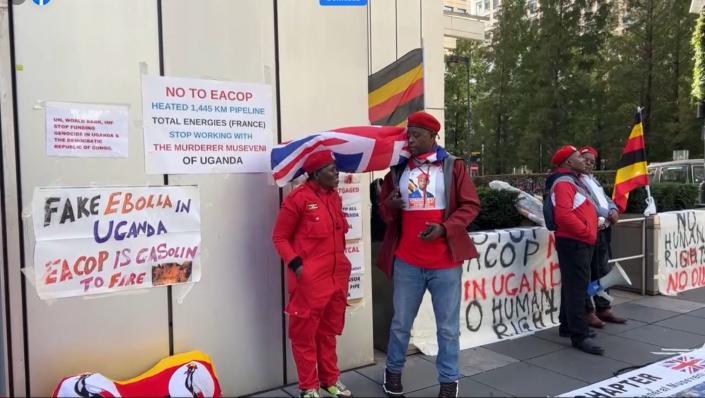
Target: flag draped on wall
(356, 149)
(631, 171)
(396, 91)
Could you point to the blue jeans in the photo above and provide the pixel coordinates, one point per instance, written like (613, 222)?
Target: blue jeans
(410, 284)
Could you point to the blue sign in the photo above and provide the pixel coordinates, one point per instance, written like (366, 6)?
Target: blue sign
(340, 2)
(41, 2)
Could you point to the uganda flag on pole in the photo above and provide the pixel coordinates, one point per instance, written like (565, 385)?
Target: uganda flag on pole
(396, 91)
(631, 172)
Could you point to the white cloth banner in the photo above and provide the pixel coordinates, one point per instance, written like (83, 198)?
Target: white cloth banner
(194, 126)
(101, 240)
(86, 130)
(679, 376)
(680, 251)
(349, 191)
(510, 290)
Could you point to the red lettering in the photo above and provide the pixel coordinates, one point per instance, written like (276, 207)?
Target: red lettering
(511, 292)
(555, 276)
(112, 202)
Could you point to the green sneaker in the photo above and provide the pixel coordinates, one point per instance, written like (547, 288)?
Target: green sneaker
(338, 390)
(311, 393)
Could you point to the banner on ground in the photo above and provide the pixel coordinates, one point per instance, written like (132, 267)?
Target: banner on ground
(511, 289)
(194, 126)
(680, 251)
(109, 239)
(681, 376)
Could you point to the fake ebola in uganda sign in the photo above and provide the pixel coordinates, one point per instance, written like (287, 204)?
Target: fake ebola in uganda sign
(512, 288)
(680, 251)
(103, 240)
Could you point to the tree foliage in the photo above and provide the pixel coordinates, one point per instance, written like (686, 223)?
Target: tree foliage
(575, 72)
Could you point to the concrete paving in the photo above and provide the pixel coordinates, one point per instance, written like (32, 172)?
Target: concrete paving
(544, 364)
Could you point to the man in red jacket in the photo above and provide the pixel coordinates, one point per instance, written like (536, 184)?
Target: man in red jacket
(309, 235)
(575, 218)
(425, 243)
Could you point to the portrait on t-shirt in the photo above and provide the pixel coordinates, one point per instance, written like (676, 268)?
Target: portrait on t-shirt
(422, 189)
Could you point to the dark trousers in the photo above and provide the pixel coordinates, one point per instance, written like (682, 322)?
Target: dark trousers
(600, 267)
(574, 258)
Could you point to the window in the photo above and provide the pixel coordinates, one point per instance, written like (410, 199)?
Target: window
(674, 174)
(478, 8)
(698, 174)
(653, 174)
(461, 10)
(447, 8)
(495, 3)
(487, 5)
(532, 6)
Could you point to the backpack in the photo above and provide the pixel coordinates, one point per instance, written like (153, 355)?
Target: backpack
(548, 200)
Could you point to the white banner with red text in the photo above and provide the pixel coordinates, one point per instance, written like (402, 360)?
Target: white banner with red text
(109, 239)
(510, 290)
(195, 126)
(680, 251)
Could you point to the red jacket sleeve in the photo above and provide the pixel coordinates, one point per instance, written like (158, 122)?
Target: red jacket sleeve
(284, 228)
(388, 215)
(468, 203)
(563, 212)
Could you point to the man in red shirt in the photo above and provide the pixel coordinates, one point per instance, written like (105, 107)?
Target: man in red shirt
(575, 218)
(309, 235)
(425, 244)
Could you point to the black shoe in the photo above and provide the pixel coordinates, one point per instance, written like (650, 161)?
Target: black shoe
(591, 333)
(448, 390)
(392, 384)
(589, 346)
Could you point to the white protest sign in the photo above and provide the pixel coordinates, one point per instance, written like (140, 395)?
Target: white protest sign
(349, 191)
(353, 251)
(511, 289)
(86, 130)
(680, 251)
(102, 240)
(355, 290)
(680, 376)
(194, 126)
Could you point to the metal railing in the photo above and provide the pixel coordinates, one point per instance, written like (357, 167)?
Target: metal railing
(642, 256)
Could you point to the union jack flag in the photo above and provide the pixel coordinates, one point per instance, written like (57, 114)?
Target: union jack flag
(685, 364)
(357, 149)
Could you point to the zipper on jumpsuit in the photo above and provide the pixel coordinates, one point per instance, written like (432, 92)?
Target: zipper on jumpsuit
(335, 253)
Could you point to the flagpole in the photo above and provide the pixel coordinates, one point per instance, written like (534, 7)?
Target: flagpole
(650, 203)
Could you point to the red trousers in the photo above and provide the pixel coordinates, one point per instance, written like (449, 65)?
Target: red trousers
(313, 341)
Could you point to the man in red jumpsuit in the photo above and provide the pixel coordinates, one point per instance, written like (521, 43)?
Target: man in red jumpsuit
(309, 235)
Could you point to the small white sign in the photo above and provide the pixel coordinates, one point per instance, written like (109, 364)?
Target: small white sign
(349, 190)
(86, 130)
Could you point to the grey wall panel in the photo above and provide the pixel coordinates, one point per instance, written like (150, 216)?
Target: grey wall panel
(408, 26)
(383, 33)
(234, 314)
(85, 51)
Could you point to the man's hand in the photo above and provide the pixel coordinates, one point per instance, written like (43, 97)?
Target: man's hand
(613, 216)
(432, 231)
(299, 271)
(394, 200)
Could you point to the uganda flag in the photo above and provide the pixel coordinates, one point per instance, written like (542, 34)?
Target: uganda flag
(396, 91)
(631, 172)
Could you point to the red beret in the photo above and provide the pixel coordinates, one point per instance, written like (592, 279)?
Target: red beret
(317, 160)
(588, 149)
(562, 154)
(425, 121)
